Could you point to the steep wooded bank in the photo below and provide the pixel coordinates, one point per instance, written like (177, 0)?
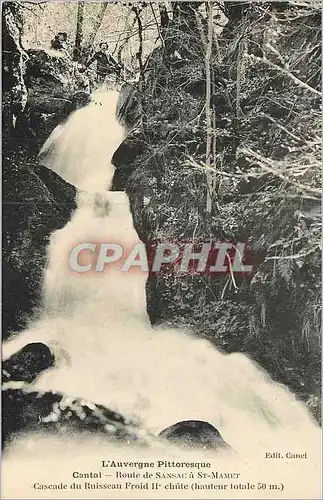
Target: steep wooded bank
(265, 159)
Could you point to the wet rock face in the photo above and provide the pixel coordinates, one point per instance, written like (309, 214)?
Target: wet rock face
(36, 202)
(25, 411)
(129, 108)
(52, 79)
(48, 72)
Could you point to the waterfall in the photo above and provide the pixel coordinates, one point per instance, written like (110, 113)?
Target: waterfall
(107, 352)
(78, 149)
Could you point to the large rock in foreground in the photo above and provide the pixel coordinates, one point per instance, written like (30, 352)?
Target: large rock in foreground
(25, 411)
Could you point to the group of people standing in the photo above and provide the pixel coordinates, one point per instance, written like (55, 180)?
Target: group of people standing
(106, 66)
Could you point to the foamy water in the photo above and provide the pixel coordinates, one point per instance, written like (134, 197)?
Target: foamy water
(86, 163)
(108, 353)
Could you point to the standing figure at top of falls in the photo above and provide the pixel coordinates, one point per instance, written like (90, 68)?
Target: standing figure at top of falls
(106, 66)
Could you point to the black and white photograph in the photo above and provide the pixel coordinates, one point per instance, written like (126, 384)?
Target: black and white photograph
(161, 249)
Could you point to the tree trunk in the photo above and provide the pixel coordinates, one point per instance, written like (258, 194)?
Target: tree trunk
(129, 34)
(164, 18)
(77, 55)
(139, 54)
(96, 27)
(140, 32)
(208, 111)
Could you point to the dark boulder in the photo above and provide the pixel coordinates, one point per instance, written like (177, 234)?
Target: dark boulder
(26, 364)
(24, 412)
(36, 202)
(195, 434)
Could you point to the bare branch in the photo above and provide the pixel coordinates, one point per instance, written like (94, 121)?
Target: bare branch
(284, 71)
(269, 166)
(284, 129)
(295, 256)
(157, 24)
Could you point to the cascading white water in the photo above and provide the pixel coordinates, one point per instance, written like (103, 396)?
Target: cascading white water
(108, 353)
(80, 149)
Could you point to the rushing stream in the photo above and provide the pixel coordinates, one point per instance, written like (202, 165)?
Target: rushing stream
(107, 352)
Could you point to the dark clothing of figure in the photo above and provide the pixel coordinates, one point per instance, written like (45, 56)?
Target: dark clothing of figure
(60, 41)
(106, 65)
(58, 44)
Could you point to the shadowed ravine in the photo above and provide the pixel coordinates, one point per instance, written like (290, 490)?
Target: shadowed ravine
(106, 351)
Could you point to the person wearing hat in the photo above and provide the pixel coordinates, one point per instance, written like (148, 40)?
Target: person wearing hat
(106, 64)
